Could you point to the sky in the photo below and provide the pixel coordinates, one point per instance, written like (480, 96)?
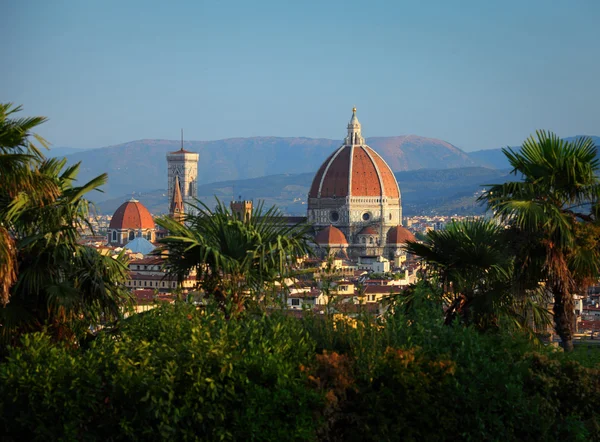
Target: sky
(478, 74)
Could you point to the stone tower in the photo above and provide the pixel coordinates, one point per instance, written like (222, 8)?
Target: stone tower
(242, 210)
(183, 170)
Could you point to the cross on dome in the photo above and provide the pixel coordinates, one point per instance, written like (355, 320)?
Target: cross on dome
(354, 137)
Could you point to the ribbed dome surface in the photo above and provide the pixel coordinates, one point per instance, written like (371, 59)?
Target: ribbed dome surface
(330, 235)
(354, 171)
(399, 235)
(132, 215)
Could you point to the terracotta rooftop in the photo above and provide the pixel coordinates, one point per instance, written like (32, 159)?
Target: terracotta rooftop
(147, 296)
(181, 151)
(382, 289)
(354, 171)
(151, 260)
(399, 235)
(368, 231)
(132, 215)
(331, 235)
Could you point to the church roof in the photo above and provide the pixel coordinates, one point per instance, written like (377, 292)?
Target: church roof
(368, 231)
(132, 215)
(176, 206)
(354, 170)
(140, 245)
(181, 151)
(399, 235)
(331, 235)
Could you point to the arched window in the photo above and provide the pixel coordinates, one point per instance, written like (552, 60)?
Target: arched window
(149, 236)
(114, 235)
(131, 235)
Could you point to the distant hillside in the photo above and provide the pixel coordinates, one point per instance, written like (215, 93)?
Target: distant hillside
(140, 166)
(496, 159)
(445, 191)
(61, 151)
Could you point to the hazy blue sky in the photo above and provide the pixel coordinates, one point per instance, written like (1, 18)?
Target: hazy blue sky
(479, 74)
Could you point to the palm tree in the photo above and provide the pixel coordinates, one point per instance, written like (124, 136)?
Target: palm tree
(473, 263)
(232, 258)
(54, 282)
(17, 177)
(555, 208)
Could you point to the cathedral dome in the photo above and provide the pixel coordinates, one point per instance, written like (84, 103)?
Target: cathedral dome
(399, 235)
(132, 215)
(354, 170)
(331, 235)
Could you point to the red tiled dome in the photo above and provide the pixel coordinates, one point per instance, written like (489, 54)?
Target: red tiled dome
(354, 171)
(330, 235)
(399, 235)
(132, 215)
(368, 231)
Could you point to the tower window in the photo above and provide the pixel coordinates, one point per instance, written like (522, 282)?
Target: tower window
(131, 235)
(114, 235)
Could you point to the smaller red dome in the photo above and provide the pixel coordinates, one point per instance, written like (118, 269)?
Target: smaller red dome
(132, 215)
(330, 235)
(368, 231)
(399, 235)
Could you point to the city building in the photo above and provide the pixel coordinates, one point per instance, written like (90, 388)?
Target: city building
(355, 192)
(182, 172)
(130, 221)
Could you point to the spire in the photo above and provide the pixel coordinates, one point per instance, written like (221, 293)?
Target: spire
(354, 136)
(182, 139)
(176, 205)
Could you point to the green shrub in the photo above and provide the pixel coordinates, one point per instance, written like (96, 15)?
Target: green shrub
(171, 373)
(176, 373)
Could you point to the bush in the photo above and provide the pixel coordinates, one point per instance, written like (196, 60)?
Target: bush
(171, 373)
(177, 373)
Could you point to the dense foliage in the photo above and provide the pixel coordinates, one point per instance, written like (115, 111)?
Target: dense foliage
(179, 373)
(47, 279)
(541, 247)
(554, 207)
(235, 259)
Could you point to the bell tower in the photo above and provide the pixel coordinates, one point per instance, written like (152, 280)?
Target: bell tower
(183, 172)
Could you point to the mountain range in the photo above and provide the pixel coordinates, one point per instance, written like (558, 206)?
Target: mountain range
(280, 170)
(424, 191)
(496, 159)
(139, 166)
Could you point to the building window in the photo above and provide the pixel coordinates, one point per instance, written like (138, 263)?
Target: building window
(114, 235)
(295, 301)
(144, 283)
(334, 216)
(366, 216)
(131, 235)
